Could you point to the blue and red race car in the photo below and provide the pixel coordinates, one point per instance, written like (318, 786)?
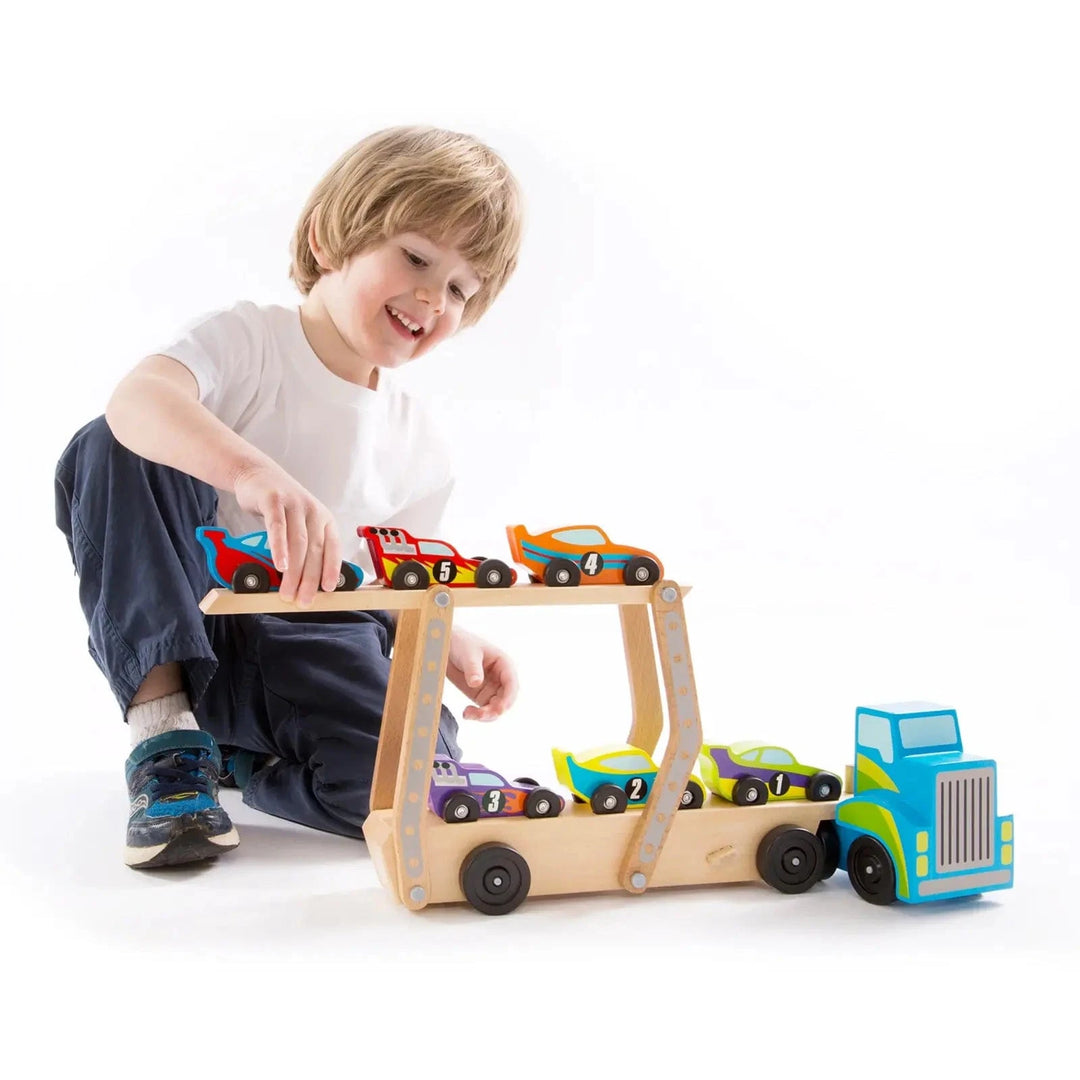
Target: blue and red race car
(463, 792)
(245, 565)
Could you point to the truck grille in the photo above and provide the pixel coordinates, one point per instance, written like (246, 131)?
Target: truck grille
(965, 819)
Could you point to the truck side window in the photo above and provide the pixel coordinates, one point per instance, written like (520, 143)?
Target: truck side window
(873, 732)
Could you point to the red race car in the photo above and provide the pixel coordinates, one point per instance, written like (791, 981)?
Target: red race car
(404, 562)
(244, 563)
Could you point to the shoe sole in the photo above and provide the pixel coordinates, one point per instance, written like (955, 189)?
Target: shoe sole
(191, 845)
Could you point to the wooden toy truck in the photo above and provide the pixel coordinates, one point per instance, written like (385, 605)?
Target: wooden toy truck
(494, 863)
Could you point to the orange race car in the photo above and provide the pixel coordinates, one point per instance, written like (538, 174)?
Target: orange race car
(581, 555)
(403, 561)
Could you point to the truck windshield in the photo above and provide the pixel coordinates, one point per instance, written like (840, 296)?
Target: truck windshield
(929, 732)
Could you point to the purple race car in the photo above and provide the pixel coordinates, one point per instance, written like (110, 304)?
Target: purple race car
(463, 792)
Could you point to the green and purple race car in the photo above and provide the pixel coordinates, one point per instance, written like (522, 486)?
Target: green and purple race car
(749, 773)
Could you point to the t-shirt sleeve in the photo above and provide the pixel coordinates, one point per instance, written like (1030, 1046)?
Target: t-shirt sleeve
(223, 352)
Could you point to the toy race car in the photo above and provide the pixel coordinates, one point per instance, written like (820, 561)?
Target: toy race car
(463, 792)
(581, 555)
(749, 773)
(404, 562)
(611, 778)
(245, 565)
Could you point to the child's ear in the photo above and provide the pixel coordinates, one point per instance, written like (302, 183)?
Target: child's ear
(320, 256)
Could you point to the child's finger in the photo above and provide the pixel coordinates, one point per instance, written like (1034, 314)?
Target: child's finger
(276, 537)
(297, 547)
(313, 570)
(331, 558)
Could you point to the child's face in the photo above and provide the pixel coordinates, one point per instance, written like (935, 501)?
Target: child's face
(426, 283)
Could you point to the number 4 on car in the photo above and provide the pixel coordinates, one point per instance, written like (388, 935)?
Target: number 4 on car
(581, 555)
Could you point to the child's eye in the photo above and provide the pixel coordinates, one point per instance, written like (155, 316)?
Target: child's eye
(460, 295)
(414, 259)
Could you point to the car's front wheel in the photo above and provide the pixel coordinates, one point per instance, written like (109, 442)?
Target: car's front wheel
(693, 798)
(823, 787)
(542, 803)
(641, 571)
(493, 574)
(251, 578)
(348, 579)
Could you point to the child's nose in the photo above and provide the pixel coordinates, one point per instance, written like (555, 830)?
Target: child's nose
(433, 299)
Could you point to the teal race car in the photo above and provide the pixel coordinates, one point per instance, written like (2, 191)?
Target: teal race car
(611, 778)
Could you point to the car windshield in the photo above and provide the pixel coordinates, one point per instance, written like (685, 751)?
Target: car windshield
(627, 763)
(580, 537)
(256, 540)
(431, 547)
(929, 732)
(485, 779)
(775, 756)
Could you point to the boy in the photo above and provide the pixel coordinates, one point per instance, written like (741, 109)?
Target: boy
(287, 420)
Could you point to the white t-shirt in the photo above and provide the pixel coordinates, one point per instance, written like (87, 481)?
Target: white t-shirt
(372, 457)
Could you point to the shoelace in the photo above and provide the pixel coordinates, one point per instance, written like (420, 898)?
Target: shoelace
(187, 770)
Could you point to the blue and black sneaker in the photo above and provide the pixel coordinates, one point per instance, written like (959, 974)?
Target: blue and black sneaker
(238, 766)
(175, 817)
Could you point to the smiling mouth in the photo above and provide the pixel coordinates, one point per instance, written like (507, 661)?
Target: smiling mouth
(401, 327)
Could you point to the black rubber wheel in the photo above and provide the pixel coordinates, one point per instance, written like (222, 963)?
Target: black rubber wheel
(562, 574)
(493, 574)
(526, 781)
(641, 571)
(347, 579)
(460, 807)
(823, 787)
(495, 879)
(608, 799)
(542, 803)
(693, 798)
(790, 859)
(749, 791)
(410, 575)
(250, 578)
(831, 843)
(871, 871)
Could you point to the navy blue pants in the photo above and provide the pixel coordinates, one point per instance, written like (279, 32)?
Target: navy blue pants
(308, 688)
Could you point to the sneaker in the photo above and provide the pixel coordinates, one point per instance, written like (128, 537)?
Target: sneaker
(238, 766)
(175, 817)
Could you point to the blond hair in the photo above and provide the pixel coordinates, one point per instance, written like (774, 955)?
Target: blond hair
(443, 184)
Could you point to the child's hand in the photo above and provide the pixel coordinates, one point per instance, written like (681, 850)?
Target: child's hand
(482, 673)
(301, 532)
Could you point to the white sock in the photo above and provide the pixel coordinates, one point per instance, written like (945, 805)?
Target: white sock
(169, 713)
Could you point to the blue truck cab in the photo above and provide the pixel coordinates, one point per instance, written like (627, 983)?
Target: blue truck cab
(922, 823)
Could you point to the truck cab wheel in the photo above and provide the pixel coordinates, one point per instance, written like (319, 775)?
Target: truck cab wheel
(831, 843)
(871, 871)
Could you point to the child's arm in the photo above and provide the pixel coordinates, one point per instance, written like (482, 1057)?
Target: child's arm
(156, 413)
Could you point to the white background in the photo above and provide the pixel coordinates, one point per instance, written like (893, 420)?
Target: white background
(796, 309)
